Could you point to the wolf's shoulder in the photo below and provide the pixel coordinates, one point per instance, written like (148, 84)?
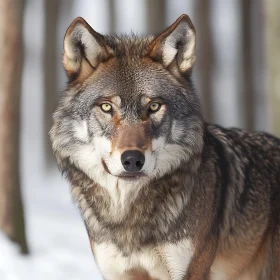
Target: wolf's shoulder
(245, 142)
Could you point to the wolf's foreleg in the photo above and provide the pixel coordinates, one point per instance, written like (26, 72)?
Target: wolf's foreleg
(199, 268)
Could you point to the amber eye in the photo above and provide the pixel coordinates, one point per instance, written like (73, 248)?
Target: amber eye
(106, 107)
(154, 107)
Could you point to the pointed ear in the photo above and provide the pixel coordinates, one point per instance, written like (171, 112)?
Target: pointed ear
(84, 50)
(175, 47)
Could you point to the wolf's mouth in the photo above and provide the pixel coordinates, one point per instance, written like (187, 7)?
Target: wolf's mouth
(124, 175)
(105, 167)
(134, 175)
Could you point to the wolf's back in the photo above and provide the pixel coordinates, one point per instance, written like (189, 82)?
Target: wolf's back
(249, 208)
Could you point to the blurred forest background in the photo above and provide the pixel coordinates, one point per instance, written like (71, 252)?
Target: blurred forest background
(237, 75)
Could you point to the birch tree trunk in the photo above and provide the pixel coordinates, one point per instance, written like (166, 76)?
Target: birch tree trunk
(11, 210)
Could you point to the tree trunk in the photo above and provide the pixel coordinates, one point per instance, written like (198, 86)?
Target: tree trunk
(50, 72)
(11, 210)
(272, 10)
(247, 52)
(205, 53)
(156, 12)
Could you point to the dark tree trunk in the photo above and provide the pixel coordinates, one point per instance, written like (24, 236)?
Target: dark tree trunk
(156, 16)
(50, 71)
(205, 63)
(11, 56)
(247, 52)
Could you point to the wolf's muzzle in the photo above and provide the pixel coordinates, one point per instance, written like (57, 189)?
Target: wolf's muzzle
(132, 160)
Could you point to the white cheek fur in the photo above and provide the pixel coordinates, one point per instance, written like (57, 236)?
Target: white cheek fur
(81, 131)
(88, 157)
(168, 156)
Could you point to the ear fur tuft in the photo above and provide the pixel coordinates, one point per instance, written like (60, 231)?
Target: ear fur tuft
(84, 49)
(177, 42)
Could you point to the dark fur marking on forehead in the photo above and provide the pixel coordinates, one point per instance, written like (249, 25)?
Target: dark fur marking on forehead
(128, 47)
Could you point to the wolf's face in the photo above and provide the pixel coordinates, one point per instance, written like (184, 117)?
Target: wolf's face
(129, 114)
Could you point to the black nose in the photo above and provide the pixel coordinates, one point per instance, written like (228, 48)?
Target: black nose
(132, 160)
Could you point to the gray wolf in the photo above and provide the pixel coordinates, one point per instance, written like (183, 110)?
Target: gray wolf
(163, 194)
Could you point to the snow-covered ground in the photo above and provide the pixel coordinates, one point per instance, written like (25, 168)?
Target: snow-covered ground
(58, 243)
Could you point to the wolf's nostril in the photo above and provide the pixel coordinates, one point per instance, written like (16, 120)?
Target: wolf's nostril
(132, 160)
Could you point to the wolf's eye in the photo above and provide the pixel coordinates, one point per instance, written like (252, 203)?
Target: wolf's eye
(106, 107)
(154, 107)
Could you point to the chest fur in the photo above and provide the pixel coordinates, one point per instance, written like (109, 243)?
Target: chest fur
(164, 262)
(151, 219)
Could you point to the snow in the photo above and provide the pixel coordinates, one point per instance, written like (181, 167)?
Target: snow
(51, 263)
(58, 241)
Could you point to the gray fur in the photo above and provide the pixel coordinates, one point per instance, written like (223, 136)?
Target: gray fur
(224, 194)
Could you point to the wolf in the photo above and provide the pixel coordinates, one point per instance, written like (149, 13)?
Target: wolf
(164, 195)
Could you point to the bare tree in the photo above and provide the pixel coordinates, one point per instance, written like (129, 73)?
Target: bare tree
(205, 55)
(247, 52)
(50, 70)
(11, 209)
(272, 9)
(156, 11)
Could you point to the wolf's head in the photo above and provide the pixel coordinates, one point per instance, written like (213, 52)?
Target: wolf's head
(129, 114)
